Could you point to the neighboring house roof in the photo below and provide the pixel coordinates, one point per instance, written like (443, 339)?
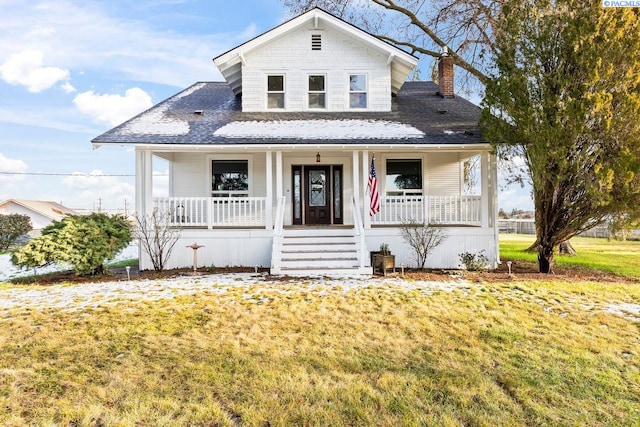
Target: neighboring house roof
(54, 211)
(230, 62)
(210, 114)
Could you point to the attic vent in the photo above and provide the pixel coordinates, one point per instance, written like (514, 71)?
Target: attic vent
(316, 41)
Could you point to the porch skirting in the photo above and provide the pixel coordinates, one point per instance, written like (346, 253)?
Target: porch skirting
(253, 247)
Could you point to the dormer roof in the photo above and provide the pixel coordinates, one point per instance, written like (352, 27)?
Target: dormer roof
(230, 63)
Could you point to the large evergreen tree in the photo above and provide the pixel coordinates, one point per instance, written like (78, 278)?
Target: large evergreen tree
(565, 97)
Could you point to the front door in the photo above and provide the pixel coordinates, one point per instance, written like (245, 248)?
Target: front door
(317, 195)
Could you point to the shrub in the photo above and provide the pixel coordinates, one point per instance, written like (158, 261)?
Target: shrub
(84, 242)
(423, 238)
(156, 236)
(13, 226)
(474, 262)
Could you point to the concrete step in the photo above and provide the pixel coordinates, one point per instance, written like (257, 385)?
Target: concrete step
(331, 272)
(320, 251)
(318, 254)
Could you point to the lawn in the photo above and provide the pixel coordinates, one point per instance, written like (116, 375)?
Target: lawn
(612, 257)
(287, 353)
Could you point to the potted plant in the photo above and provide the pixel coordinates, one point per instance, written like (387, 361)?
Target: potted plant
(383, 261)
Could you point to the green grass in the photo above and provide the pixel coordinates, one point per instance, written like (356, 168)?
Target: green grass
(123, 263)
(613, 257)
(516, 354)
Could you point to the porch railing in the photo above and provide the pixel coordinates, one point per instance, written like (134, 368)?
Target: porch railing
(215, 211)
(454, 210)
(252, 211)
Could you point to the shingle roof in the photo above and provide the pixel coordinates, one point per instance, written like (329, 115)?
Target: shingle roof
(52, 210)
(193, 116)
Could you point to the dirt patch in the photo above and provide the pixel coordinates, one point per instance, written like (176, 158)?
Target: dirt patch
(520, 271)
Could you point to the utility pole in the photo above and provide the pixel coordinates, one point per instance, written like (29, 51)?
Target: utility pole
(125, 207)
(99, 204)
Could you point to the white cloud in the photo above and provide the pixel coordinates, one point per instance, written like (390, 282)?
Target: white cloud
(8, 182)
(112, 108)
(161, 183)
(12, 165)
(26, 69)
(86, 36)
(109, 191)
(515, 197)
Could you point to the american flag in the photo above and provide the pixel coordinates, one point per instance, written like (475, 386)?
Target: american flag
(372, 188)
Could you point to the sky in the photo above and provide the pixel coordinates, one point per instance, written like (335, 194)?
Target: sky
(71, 70)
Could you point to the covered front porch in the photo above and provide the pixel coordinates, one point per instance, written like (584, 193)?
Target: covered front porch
(274, 189)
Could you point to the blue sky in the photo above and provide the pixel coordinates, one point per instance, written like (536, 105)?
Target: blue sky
(70, 70)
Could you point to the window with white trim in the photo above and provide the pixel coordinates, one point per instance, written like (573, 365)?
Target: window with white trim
(404, 177)
(229, 178)
(275, 91)
(317, 91)
(358, 91)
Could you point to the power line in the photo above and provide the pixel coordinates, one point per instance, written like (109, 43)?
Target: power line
(71, 174)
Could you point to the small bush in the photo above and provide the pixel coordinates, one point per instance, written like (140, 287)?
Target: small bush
(423, 239)
(474, 262)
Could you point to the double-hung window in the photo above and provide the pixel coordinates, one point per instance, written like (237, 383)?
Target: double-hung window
(404, 177)
(275, 91)
(317, 91)
(229, 178)
(357, 91)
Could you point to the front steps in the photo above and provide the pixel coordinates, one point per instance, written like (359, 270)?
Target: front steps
(318, 251)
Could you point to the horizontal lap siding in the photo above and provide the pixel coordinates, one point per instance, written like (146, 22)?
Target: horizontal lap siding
(444, 174)
(191, 173)
(292, 55)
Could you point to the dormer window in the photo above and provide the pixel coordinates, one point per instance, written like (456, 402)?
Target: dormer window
(317, 92)
(358, 91)
(275, 91)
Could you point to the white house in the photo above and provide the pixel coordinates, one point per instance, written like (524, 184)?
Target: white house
(271, 167)
(41, 213)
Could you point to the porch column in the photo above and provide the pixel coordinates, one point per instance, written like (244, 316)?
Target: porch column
(144, 182)
(493, 162)
(356, 179)
(279, 189)
(366, 218)
(485, 189)
(268, 223)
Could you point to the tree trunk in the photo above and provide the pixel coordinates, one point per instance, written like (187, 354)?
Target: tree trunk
(535, 247)
(545, 259)
(566, 248)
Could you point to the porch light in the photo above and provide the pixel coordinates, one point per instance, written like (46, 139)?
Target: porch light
(318, 158)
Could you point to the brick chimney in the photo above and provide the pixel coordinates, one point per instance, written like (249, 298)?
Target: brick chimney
(445, 75)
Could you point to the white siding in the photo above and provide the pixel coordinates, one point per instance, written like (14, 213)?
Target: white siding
(444, 176)
(292, 56)
(191, 173)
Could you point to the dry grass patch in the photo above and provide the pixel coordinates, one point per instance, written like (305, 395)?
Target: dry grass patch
(487, 354)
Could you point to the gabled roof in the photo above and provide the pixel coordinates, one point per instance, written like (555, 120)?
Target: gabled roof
(210, 114)
(51, 210)
(230, 62)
